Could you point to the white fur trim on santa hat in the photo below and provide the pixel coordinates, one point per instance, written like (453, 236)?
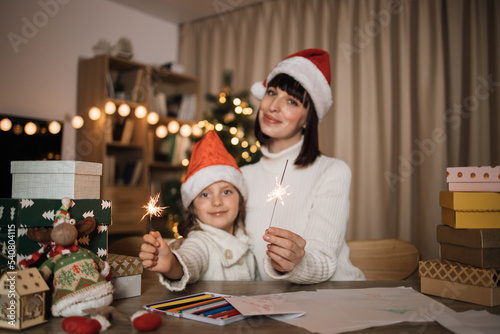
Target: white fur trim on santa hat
(309, 76)
(105, 324)
(258, 90)
(208, 175)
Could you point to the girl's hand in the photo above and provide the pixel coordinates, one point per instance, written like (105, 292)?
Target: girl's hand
(155, 253)
(285, 248)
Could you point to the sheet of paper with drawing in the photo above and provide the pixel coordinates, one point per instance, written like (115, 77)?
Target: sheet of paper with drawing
(275, 304)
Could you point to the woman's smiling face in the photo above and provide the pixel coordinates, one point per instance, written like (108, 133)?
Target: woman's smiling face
(282, 117)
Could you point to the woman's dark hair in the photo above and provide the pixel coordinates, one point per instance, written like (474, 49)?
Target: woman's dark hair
(190, 223)
(310, 147)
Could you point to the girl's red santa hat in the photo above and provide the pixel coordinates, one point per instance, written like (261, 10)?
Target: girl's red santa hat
(311, 68)
(210, 163)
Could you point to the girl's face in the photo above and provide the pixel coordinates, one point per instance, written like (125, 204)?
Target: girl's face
(218, 205)
(282, 117)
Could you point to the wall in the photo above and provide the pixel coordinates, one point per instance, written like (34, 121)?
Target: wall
(42, 40)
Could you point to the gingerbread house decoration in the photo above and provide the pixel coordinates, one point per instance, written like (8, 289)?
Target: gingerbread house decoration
(22, 299)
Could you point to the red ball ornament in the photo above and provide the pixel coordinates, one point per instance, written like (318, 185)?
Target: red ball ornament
(80, 325)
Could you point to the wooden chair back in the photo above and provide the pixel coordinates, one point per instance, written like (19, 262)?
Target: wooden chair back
(384, 259)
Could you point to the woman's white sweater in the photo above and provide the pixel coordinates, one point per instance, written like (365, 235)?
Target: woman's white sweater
(317, 209)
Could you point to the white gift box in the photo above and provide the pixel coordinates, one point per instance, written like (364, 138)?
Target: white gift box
(126, 275)
(56, 179)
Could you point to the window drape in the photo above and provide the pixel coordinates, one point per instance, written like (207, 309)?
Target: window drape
(416, 89)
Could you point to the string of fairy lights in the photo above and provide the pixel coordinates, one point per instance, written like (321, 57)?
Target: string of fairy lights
(173, 126)
(29, 128)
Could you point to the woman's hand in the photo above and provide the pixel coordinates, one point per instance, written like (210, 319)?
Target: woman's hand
(285, 248)
(155, 253)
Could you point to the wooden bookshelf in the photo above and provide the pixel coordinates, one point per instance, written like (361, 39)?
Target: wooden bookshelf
(126, 145)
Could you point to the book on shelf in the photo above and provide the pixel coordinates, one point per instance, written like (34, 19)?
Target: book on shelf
(129, 172)
(128, 131)
(187, 108)
(110, 169)
(136, 175)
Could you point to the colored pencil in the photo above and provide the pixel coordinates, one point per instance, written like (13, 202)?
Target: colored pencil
(180, 302)
(188, 307)
(217, 310)
(225, 314)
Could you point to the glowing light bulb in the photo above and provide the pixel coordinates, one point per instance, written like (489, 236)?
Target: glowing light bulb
(219, 127)
(235, 141)
(77, 122)
(196, 130)
(140, 112)
(236, 101)
(185, 130)
(153, 118)
(54, 127)
(124, 110)
(161, 131)
(110, 108)
(94, 113)
(30, 128)
(173, 127)
(5, 124)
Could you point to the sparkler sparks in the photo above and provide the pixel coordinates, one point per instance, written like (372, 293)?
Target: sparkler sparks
(152, 208)
(278, 193)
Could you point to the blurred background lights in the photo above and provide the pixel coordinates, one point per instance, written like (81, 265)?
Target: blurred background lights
(235, 141)
(185, 130)
(161, 131)
(238, 110)
(54, 127)
(110, 108)
(173, 127)
(30, 128)
(196, 130)
(17, 129)
(124, 110)
(236, 101)
(140, 112)
(219, 127)
(185, 162)
(233, 130)
(5, 124)
(77, 122)
(153, 118)
(94, 113)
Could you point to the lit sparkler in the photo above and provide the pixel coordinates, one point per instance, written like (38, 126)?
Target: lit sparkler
(278, 193)
(152, 207)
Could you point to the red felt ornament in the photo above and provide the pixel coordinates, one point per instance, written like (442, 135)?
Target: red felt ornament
(144, 321)
(81, 325)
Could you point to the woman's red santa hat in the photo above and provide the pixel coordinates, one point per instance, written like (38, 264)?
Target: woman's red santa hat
(311, 68)
(210, 163)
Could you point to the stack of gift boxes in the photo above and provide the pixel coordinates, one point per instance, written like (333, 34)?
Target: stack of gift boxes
(37, 190)
(469, 239)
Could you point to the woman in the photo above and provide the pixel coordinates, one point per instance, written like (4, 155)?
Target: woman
(305, 241)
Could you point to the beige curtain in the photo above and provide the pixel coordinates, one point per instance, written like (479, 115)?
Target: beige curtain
(416, 89)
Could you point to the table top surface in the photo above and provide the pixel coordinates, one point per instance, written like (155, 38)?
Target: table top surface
(153, 291)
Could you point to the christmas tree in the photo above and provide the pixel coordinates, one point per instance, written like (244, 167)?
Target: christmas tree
(232, 117)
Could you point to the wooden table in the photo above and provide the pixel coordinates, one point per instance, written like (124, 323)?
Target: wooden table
(152, 291)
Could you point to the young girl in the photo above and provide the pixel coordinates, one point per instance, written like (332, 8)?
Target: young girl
(216, 246)
(305, 243)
